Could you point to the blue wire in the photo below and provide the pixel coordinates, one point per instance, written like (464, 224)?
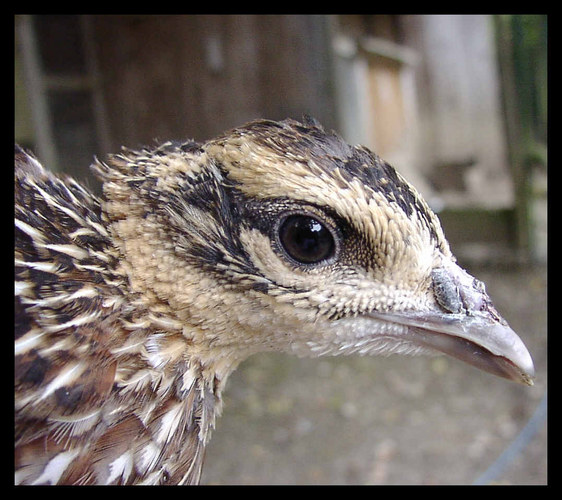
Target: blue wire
(517, 446)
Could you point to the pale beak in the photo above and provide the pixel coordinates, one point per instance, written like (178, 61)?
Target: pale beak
(465, 325)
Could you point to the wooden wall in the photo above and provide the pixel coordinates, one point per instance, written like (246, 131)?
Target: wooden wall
(196, 76)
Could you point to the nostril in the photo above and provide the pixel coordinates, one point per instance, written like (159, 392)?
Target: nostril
(446, 291)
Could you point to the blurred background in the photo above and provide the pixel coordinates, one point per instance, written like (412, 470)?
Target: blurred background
(458, 104)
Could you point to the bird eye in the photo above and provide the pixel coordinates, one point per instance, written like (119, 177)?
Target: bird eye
(306, 239)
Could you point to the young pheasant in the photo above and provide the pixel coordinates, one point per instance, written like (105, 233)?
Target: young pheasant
(132, 310)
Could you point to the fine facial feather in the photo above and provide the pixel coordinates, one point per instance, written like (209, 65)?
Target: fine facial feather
(133, 310)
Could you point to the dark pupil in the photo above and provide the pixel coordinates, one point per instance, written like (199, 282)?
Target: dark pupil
(305, 239)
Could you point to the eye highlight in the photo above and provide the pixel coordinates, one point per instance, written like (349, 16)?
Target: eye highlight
(305, 239)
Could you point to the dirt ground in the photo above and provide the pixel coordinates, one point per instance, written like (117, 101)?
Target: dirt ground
(396, 420)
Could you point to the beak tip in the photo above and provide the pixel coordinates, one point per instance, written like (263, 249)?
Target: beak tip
(528, 373)
(527, 377)
(521, 360)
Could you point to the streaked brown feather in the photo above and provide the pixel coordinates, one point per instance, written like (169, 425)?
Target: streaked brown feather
(73, 383)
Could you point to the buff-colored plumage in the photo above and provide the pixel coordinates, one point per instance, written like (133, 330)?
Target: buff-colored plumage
(133, 309)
